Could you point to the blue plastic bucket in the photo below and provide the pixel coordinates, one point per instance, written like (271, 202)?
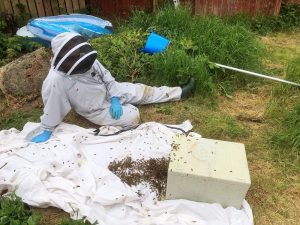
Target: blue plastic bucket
(155, 44)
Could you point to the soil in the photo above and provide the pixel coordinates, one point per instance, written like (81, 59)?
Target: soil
(247, 106)
(153, 172)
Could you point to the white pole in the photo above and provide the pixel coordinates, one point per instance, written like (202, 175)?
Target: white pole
(257, 74)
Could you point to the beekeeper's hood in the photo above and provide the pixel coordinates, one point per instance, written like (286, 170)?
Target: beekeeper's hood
(72, 54)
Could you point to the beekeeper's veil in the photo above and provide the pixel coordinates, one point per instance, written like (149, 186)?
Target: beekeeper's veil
(72, 54)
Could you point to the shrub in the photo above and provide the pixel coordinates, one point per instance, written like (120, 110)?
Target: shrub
(13, 47)
(195, 41)
(14, 212)
(289, 18)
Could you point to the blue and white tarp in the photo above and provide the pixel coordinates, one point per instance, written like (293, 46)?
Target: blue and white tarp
(43, 29)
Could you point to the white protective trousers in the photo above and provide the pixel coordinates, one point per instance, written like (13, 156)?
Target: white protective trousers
(89, 95)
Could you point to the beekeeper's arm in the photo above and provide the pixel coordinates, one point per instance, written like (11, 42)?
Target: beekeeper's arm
(56, 105)
(114, 93)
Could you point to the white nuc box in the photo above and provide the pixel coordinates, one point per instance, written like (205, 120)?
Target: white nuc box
(207, 170)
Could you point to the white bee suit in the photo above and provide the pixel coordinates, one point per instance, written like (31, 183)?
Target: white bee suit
(89, 93)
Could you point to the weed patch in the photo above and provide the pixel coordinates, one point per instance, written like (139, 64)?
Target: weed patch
(195, 41)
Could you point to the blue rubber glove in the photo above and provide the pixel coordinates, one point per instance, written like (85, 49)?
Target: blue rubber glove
(115, 110)
(42, 137)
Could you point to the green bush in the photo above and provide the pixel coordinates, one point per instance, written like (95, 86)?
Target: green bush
(289, 18)
(14, 212)
(13, 47)
(120, 54)
(194, 42)
(209, 36)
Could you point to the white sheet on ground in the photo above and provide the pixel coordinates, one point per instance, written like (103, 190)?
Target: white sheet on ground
(70, 172)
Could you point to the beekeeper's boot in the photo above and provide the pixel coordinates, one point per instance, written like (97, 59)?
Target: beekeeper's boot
(189, 88)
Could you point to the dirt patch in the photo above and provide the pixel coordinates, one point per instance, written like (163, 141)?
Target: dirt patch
(247, 107)
(153, 172)
(51, 215)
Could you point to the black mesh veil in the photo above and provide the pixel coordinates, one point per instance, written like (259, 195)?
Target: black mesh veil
(85, 64)
(75, 53)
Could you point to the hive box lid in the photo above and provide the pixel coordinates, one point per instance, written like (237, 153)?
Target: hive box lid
(214, 159)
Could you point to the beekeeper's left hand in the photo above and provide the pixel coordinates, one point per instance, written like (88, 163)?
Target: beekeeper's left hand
(115, 110)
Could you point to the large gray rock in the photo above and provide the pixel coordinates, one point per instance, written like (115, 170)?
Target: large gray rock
(24, 76)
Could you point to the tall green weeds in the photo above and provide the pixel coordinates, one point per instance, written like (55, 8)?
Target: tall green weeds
(285, 139)
(194, 42)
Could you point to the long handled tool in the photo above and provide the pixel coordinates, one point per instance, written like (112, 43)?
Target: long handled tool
(257, 74)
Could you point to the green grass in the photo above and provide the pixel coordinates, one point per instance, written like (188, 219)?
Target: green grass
(17, 119)
(293, 70)
(206, 118)
(285, 140)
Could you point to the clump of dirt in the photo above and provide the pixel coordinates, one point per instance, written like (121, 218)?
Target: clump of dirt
(153, 172)
(24, 76)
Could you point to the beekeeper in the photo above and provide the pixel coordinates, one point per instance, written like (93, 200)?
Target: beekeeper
(78, 80)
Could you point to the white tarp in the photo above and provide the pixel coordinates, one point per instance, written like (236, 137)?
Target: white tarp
(71, 172)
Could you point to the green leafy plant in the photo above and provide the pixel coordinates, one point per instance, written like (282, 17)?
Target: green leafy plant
(289, 17)
(120, 53)
(14, 212)
(14, 46)
(195, 43)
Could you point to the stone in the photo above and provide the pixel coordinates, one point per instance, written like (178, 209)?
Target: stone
(24, 76)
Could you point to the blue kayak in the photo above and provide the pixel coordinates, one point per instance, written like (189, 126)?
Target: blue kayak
(43, 29)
